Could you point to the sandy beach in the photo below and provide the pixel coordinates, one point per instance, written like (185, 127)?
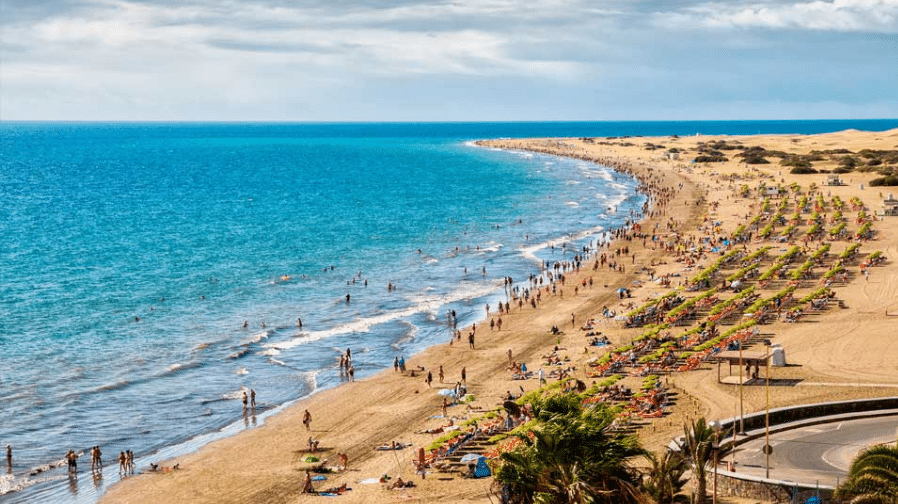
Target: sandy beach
(844, 351)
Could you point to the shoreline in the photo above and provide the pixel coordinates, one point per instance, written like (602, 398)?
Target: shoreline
(269, 470)
(189, 444)
(290, 411)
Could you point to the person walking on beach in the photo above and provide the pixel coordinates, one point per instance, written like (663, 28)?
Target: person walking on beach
(307, 420)
(121, 463)
(471, 340)
(351, 372)
(429, 378)
(464, 375)
(252, 398)
(245, 398)
(396, 364)
(441, 373)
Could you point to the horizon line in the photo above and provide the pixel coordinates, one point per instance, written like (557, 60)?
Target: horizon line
(428, 121)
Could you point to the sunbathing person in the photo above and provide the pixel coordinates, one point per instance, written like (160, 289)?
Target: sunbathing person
(392, 446)
(401, 484)
(322, 468)
(336, 490)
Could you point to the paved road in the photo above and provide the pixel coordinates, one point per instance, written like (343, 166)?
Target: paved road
(816, 454)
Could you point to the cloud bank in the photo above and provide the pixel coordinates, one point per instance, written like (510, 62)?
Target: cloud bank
(398, 60)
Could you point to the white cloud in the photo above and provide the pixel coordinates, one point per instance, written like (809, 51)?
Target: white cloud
(879, 16)
(357, 40)
(326, 59)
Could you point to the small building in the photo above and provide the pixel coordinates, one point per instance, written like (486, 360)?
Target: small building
(833, 180)
(751, 359)
(890, 206)
(673, 155)
(769, 191)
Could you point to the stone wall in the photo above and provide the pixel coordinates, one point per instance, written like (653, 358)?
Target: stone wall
(779, 493)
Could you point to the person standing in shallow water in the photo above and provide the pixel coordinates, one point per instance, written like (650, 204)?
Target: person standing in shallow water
(72, 458)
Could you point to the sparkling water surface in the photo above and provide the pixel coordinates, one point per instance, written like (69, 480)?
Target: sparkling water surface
(132, 254)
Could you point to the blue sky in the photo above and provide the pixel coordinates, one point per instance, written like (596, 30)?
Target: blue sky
(396, 60)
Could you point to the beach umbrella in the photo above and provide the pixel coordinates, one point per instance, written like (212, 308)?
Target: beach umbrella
(470, 457)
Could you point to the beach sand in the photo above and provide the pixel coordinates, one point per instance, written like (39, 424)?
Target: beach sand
(839, 353)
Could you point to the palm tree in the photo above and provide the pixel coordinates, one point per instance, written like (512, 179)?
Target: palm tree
(873, 477)
(664, 479)
(699, 446)
(569, 457)
(518, 476)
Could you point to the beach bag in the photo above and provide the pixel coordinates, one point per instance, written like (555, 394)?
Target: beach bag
(482, 470)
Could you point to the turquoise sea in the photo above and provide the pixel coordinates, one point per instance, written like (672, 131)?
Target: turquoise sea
(131, 254)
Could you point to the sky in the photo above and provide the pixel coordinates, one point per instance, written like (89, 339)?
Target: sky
(433, 60)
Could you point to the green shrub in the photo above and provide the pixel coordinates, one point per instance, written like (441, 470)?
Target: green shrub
(802, 170)
(889, 180)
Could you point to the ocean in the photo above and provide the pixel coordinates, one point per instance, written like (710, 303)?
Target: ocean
(152, 272)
